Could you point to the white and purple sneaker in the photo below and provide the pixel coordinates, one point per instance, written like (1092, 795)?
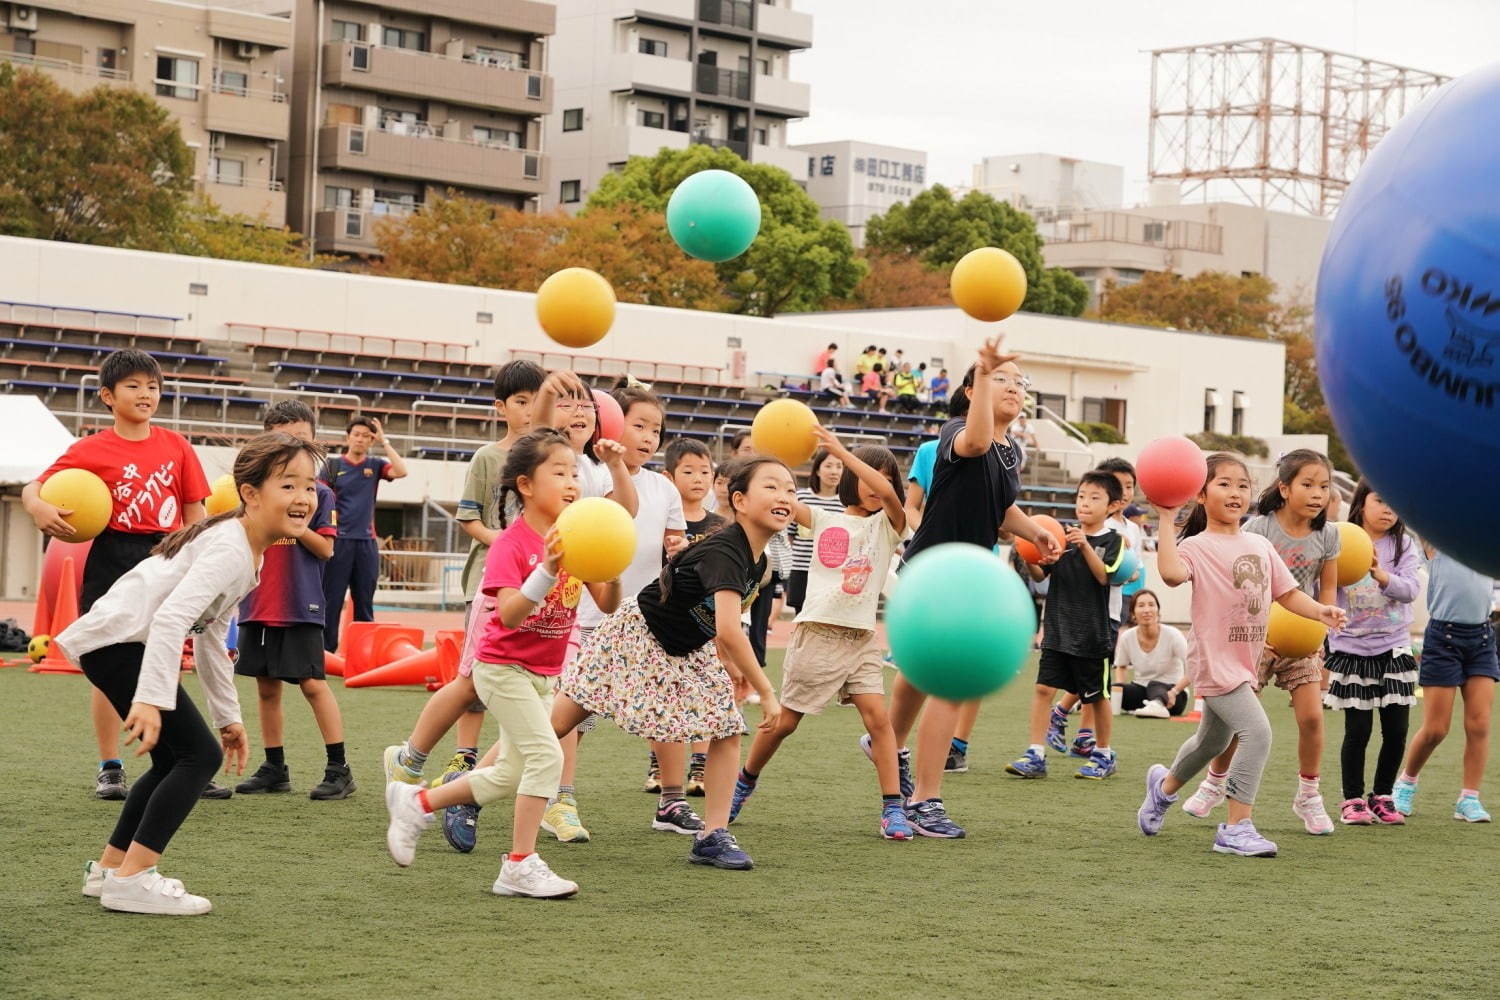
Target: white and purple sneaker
(1154, 809)
(1243, 839)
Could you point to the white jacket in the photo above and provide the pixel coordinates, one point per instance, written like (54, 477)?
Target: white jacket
(160, 602)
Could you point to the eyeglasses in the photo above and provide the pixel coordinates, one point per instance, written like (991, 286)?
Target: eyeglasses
(1007, 382)
(570, 405)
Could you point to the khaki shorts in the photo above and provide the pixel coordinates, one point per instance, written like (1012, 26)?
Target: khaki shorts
(1290, 674)
(827, 660)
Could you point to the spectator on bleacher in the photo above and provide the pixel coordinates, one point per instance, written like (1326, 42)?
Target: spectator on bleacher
(865, 362)
(874, 386)
(939, 389)
(355, 478)
(832, 386)
(904, 385)
(1021, 431)
(923, 389)
(826, 358)
(883, 365)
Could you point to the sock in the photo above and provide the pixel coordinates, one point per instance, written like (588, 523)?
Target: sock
(276, 756)
(1104, 750)
(904, 753)
(1084, 736)
(113, 764)
(335, 752)
(411, 759)
(1307, 785)
(564, 790)
(889, 800)
(654, 766)
(470, 754)
(698, 762)
(423, 801)
(1039, 749)
(1410, 779)
(1059, 717)
(960, 746)
(1468, 793)
(514, 857)
(670, 794)
(1215, 777)
(746, 778)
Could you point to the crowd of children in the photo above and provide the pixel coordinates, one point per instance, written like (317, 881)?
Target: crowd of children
(673, 648)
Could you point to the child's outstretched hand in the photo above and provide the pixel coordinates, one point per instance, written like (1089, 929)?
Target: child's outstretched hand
(553, 563)
(609, 452)
(1333, 616)
(236, 747)
(829, 440)
(990, 357)
(564, 383)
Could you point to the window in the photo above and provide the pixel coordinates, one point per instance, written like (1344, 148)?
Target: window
(651, 119)
(339, 197)
(24, 45)
(1093, 410)
(357, 141)
(1056, 403)
(763, 67)
(399, 122)
(393, 203)
(1156, 232)
(502, 58)
(354, 225)
(107, 58)
(177, 78)
(1210, 409)
(347, 31)
(1237, 414)
(762, 137)
(572, 119)
(359, 58)
(403, 38)
(533, 87)
(572, 192)
(235, 82)
(653, 47)
(228, 171)
(503, 137)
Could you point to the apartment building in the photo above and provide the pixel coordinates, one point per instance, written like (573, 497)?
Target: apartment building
(394, 102)
(215, 69)
(633, 78)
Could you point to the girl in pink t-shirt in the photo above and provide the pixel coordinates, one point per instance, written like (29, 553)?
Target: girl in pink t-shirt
(1236, 576)
(520, 654)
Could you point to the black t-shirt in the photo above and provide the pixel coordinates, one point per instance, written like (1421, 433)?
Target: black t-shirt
(685, 620)
(1076, 620)
(699, 530)
(969, 496)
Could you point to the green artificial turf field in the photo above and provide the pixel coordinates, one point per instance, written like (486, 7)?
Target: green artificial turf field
(1054, 893)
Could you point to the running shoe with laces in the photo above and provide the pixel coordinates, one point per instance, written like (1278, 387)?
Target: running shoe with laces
(931, 820)
(214, 790)
(957, 763)
(1404, 795)
(1208, 797)
(150, 892)
(531, 877)
(337, 783)
(395, 770)
(1082, 746)
(1384, 811)
(1153, 709)
(653, 777)
(1244, 840)
(1057, 731)
(903, 765)
(1100, 766)
(110, 784)
(694, 784)
(721, 850)
(460, 822)
(408, 821)
(1309, 809)
(459, 764)
(742, 792)
(93, 879)
(1154, 809)
(894, 825)
(1029, 765)
(676, 817)
(1468, 809)
(1355, 812)
(561, 820)
(267, 778)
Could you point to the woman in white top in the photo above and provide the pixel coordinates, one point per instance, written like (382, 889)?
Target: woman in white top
(129, 645)
(1157, 654)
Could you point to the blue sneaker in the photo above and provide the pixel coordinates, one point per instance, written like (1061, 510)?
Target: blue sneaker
(1029, 765)
(1099, 767)
(460, 823)
(742, 792)
(931, 820)
(1404, 794)
(1083, 745)
(1152, 811)
(903, 766)
(894, 825)
(720, 849)
(1469, 810)
(1057, 732)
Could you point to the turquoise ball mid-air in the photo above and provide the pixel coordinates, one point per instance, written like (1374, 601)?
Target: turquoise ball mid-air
(960, 622)
(713, 215)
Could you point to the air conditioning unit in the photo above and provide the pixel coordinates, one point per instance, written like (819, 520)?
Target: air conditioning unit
(247, 50)
(22, 18)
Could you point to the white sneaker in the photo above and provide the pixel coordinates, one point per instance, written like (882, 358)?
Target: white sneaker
(1203, 801)
(93, 878)
(151, 892)
(1309, 809)
(407, 821)
(531, 877)
(1153, 709)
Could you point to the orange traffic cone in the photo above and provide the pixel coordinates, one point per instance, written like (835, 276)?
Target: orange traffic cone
(333, 664)
(346, 618)
(41, 622)
(66, 613)
(420, 668)
(431, 668)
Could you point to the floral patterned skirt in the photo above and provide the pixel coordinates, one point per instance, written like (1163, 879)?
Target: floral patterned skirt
(623, 673)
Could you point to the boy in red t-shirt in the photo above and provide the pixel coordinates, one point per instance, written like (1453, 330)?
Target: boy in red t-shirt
(158, 486)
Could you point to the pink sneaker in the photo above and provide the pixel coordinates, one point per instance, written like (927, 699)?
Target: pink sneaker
(1354, 812)
(1384, 808)
(1309, 809)
(1203, 801)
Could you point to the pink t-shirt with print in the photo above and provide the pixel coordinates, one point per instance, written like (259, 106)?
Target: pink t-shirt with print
(540, 643)
(1235, 579)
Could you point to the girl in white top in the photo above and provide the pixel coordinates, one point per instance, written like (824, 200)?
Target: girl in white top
(129, 645)
(1157, 654)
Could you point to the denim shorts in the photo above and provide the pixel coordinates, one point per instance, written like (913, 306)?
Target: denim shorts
(1452, 653)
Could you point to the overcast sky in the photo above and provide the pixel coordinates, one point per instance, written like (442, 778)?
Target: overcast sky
(962, 79)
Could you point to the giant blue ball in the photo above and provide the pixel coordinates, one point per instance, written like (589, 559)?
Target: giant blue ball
(1408, 318)
(960, 622)
(1129, 563)
(713, 215)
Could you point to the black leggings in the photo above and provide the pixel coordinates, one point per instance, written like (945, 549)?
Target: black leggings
(1357, 725)
(184, 760)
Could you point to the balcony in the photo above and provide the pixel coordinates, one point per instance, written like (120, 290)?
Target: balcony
(259, 199)
(626, 141)
(438, 156)
(638, 71)
(780, 95)
(344, 230)
(737, 146)
(783, 26)
(506, 15)
(72, 77)
(264, 114)
(675, 10)
(436, 77)
(727, 13)
(715, 82)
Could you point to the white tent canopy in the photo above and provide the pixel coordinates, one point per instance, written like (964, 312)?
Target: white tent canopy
(33, 438)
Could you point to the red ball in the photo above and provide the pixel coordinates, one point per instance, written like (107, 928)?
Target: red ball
(611, 417)
(1171, 471)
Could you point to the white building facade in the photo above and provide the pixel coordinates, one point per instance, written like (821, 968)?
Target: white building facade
(852, 181)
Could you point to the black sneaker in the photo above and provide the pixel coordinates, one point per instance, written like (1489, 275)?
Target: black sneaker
(677, 817)
(110, 784)
(958, 763)
(267, 778)
(214, 790)
(337, 783)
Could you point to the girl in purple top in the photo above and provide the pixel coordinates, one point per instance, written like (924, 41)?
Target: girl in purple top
(1370, 666)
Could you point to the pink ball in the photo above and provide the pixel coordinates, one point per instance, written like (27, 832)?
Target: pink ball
(611, 418)
(1171, 471)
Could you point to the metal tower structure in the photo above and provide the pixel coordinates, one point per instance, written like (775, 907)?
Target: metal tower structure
(1272, 122)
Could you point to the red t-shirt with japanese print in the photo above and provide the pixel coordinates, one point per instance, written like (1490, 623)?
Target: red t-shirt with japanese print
(150, 480)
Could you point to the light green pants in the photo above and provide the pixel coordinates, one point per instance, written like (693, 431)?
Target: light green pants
(530, 760)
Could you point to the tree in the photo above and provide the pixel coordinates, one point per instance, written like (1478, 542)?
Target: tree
(799, 259)
(1211, 302)
(107, 166)
(939, 230)
(896, 281)
(203, 230)
(465, 241)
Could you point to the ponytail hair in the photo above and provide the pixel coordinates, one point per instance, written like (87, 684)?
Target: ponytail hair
(1287, 469)
(1197, 521)
(263, 457)
(525, 456)
(1362, 491)
(739, 472)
